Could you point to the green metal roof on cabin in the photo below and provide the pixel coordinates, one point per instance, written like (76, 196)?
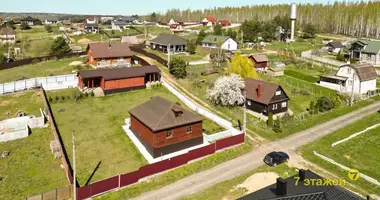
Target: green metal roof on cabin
(215, 39)
(372, 47)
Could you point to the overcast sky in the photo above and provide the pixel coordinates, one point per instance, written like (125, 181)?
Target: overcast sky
(126, 7)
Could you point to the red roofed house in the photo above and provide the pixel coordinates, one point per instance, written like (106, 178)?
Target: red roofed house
(91, 20)
(109, 54)
(209, 21)
(225, 22)
(164, 127)
(115, 80)
(261, 61)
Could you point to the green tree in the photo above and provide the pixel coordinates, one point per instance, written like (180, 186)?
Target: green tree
(251, 30)
(309, 31)
(340, 56)
(178, 68)
(202, 34)
(59, 46)
(48, 28)
(277, 127)
(231, 33)
(191, 46)
(324, 104)
(242, 66)
(153, 17)
(24, 26)
(336, 101)
(218, 29)
(270, 119)
(268, 30)
(2, 58)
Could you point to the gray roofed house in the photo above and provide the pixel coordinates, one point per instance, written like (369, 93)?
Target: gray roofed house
(288, 189)
(128, 19)
(7, 35)
(366, 51)
(51, 20)
(157, 114)
(161, 43)
(335, 47)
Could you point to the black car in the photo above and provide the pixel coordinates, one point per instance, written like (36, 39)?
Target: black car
(275, 158)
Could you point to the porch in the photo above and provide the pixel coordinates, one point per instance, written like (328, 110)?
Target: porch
(164, 48)
(93, 82)
(333, 82)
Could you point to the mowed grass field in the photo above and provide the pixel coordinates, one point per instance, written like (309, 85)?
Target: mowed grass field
(97, 123)
(42, 69)
(359, 153)
(31, 168)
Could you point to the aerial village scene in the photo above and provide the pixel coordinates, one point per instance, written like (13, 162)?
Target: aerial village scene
(220, 100)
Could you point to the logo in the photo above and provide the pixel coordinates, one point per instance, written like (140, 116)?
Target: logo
(353, 174)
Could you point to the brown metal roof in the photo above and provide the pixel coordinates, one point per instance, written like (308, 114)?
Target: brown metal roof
(119, 73)
(268, 90)
(7, 31)
(259, 57)
(365, 71)
(110, 50)
(159, 114)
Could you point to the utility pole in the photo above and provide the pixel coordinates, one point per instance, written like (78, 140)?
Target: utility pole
(169, 57)
(352, 91)
(74, 178)
(245, 112)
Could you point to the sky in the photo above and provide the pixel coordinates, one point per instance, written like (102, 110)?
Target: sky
(126, 7)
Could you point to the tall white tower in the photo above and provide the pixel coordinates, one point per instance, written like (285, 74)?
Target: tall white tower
(293, 15)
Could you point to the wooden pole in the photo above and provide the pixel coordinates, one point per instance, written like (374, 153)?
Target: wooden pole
(74, 179)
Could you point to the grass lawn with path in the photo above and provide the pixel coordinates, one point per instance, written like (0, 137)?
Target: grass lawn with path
(360, 152)
(42, 69)
(31, 168)
(297, 47)
(98, 126)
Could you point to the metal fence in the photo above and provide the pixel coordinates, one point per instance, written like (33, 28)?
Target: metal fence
(56, 194)
(309, 55)
(48, 83)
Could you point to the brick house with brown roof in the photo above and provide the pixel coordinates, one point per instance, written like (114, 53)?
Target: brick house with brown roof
(117, 80)
(109, 54)
(263, 97)
(164, 127)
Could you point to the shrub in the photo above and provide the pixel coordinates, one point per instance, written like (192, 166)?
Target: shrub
(56, 98)
(311, 107)
(50, 99)
(336, 101)
(178, 68)
(68, 97)
(324, 104)
(353, 61)
(86, 94)
(92, 93)
(304, 92)
(270, 119)
(62, 98)
(340, 57)
(277, 126)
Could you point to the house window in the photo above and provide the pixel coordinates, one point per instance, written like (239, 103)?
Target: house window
(169, 134)
(189, 129)
(249, 102)
(278, 93)
(283, 105)
(121, 58)
(274, 107)
(349, 70)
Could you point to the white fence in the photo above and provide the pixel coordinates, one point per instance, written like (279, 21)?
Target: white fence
(370, 179)
(354, 135)
(48, 83)
(309, 55)
(222, 122)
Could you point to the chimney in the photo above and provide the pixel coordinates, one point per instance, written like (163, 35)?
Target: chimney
(281, 187)
(259, 93)
(302, 174)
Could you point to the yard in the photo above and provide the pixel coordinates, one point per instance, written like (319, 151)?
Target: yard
(199, 55)
(100, 138)
(359, 153)
(42, 69)
(30, 168)
(297, 47)
(36, 32)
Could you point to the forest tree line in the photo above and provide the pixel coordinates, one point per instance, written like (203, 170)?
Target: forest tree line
(360, 19)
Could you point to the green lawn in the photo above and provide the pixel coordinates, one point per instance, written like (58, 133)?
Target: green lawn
(31, 102)
(31, 168)
(48, 68)
(297, 47)
(35, 32)
(249, 51)
(97, 123)
(359, 153)
(199, 55)
(179, 173)
(92, 37)
(199, 28)
(228, 190)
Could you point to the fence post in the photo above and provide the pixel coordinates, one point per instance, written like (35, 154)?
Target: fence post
(119, 180)
(56, 193)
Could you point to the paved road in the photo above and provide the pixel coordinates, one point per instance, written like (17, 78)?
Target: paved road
(252, 160)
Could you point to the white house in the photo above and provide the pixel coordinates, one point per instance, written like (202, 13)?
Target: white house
(51, 20)
(171, 22)
(334, 47)
(225, 42)
(119, 25)
(359, 78)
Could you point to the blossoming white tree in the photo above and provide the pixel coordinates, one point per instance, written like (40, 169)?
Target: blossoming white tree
(227, 91)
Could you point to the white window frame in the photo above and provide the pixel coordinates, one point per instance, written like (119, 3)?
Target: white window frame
(278, 93)
(274, 107)
(249, 102)
(170, 132)
(283, 104)
(187, 129)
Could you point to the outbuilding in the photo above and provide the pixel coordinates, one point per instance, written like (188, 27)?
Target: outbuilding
(261, 61)
(164, 127)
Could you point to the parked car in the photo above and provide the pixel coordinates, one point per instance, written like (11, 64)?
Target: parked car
(275, 158)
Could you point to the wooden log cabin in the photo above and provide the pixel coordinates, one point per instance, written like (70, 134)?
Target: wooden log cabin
(117, 80)
(164, 127)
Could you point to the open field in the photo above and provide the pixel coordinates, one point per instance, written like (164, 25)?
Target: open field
(229, 190)
(297, 47)
(359, 153)
(47, 68)
(36, 32)
(179, 173)
(30, 168)
(97, 123)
